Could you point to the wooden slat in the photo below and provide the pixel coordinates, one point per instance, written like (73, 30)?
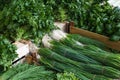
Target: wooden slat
(111, 44)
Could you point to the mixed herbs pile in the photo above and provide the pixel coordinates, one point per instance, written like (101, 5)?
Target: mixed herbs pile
(93, 15)
(32, 18)
(29, 19)
(7, 53)
(4, 3)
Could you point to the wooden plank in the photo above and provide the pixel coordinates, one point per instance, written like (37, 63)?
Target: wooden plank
(111, 44)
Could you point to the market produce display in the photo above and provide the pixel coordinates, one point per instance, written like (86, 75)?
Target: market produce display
(61, 56)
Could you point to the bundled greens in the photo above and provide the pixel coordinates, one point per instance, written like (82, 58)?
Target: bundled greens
(95, 69)
(106, 58)
(80, 55)
(60, 67)
(28, 72)
(68, 52)
(82, 75)
(72, 46)
(7, 53)
(85, 40)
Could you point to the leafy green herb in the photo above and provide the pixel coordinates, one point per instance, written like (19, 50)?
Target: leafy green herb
(7, 53)
(32, 17)
(93, 15)
(66, 76)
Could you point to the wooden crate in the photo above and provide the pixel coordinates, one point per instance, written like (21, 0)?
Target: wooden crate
(111, 44)
(27, 52)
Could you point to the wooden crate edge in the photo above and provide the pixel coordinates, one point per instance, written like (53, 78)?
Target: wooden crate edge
(111, 44)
